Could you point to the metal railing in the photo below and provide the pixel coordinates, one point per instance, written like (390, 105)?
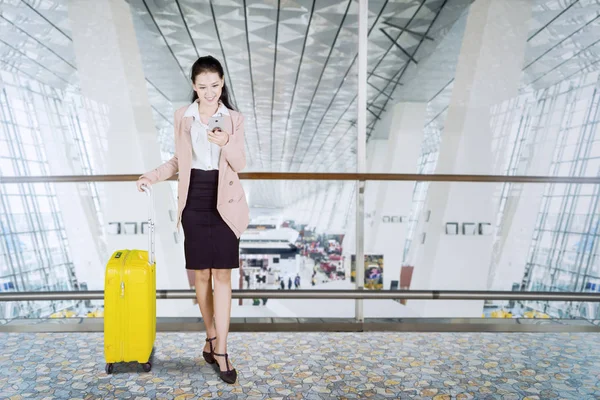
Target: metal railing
(326, 294)
(332, 176)
(359, 294)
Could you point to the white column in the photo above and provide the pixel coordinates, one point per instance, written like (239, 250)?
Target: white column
(394, 199)
(488, 73)
(86, 249)
(361, 141)
(111, 74)
(376, 151)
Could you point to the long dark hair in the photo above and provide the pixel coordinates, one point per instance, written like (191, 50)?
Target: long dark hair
(210, 64)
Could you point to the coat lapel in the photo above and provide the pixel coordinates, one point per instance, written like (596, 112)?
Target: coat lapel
(222, 161)
(186, 137)
(187, 128)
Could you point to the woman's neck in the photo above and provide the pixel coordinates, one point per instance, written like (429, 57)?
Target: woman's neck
(207, 110)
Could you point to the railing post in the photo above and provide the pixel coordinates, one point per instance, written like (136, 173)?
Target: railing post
(361, 144)
(360, 251)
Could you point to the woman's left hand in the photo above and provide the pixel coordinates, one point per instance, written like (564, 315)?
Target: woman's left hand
(218, 137)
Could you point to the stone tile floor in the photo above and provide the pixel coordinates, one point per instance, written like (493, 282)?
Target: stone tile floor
(311, 366)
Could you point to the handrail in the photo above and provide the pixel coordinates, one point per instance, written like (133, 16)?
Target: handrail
(334, 176)
(325, 294)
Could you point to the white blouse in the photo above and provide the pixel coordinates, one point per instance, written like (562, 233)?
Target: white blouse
(205, 155)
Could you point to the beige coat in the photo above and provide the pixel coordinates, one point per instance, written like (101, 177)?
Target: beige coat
(231, 199)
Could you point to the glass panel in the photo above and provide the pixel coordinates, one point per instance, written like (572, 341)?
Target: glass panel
(592, 167)
(26, 137)
(5, 261)
(4, 149)
(36, 168)
(48, 221)
(15, 204)
(30, 152)
(314, 238)
(594, 267)
(21, 223)
(43, 203)
(6, 166)
(27, 257)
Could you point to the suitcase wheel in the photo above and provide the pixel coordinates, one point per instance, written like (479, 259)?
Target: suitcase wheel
(147, 366)
(109, 368)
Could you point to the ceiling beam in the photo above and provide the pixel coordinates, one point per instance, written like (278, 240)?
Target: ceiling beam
(411, 58)
(252, 82)
(273, 85)
(408, 30)
(287, 122)
(552, 20)
(337, 34)
(165, 40)
(340, 87)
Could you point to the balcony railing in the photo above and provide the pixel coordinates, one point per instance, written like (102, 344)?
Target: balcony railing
(359, 294)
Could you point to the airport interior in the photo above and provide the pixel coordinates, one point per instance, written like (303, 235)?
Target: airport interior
(423, 180)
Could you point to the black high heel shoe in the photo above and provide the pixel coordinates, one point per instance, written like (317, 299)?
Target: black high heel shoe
(229, 376)
(209, 357)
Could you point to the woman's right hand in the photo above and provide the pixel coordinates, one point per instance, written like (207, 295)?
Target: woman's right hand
(143, 182)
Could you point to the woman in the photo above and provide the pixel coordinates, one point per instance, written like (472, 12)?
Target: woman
(212, 206)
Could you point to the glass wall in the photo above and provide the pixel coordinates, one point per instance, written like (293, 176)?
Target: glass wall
(564, 248)
(38, 121)
(473, 120)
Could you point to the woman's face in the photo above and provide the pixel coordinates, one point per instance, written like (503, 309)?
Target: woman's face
(208, 86)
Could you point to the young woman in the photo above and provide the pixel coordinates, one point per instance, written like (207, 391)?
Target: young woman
(212, 205)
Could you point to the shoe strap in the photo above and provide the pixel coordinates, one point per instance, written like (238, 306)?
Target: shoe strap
(210, 342)
(226, 359)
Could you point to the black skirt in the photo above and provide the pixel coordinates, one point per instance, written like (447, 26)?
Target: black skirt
(209, 241)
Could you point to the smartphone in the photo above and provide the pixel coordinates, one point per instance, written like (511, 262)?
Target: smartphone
(214, 123)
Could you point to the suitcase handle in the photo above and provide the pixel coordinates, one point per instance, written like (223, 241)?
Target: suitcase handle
(151, 219)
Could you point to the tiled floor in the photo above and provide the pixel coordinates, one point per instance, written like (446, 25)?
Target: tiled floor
(312, 366)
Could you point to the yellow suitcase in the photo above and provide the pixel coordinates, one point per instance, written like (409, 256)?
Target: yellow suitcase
(130, 303)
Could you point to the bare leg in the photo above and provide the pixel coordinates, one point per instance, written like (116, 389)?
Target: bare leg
(222, 299)
(204, 295)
